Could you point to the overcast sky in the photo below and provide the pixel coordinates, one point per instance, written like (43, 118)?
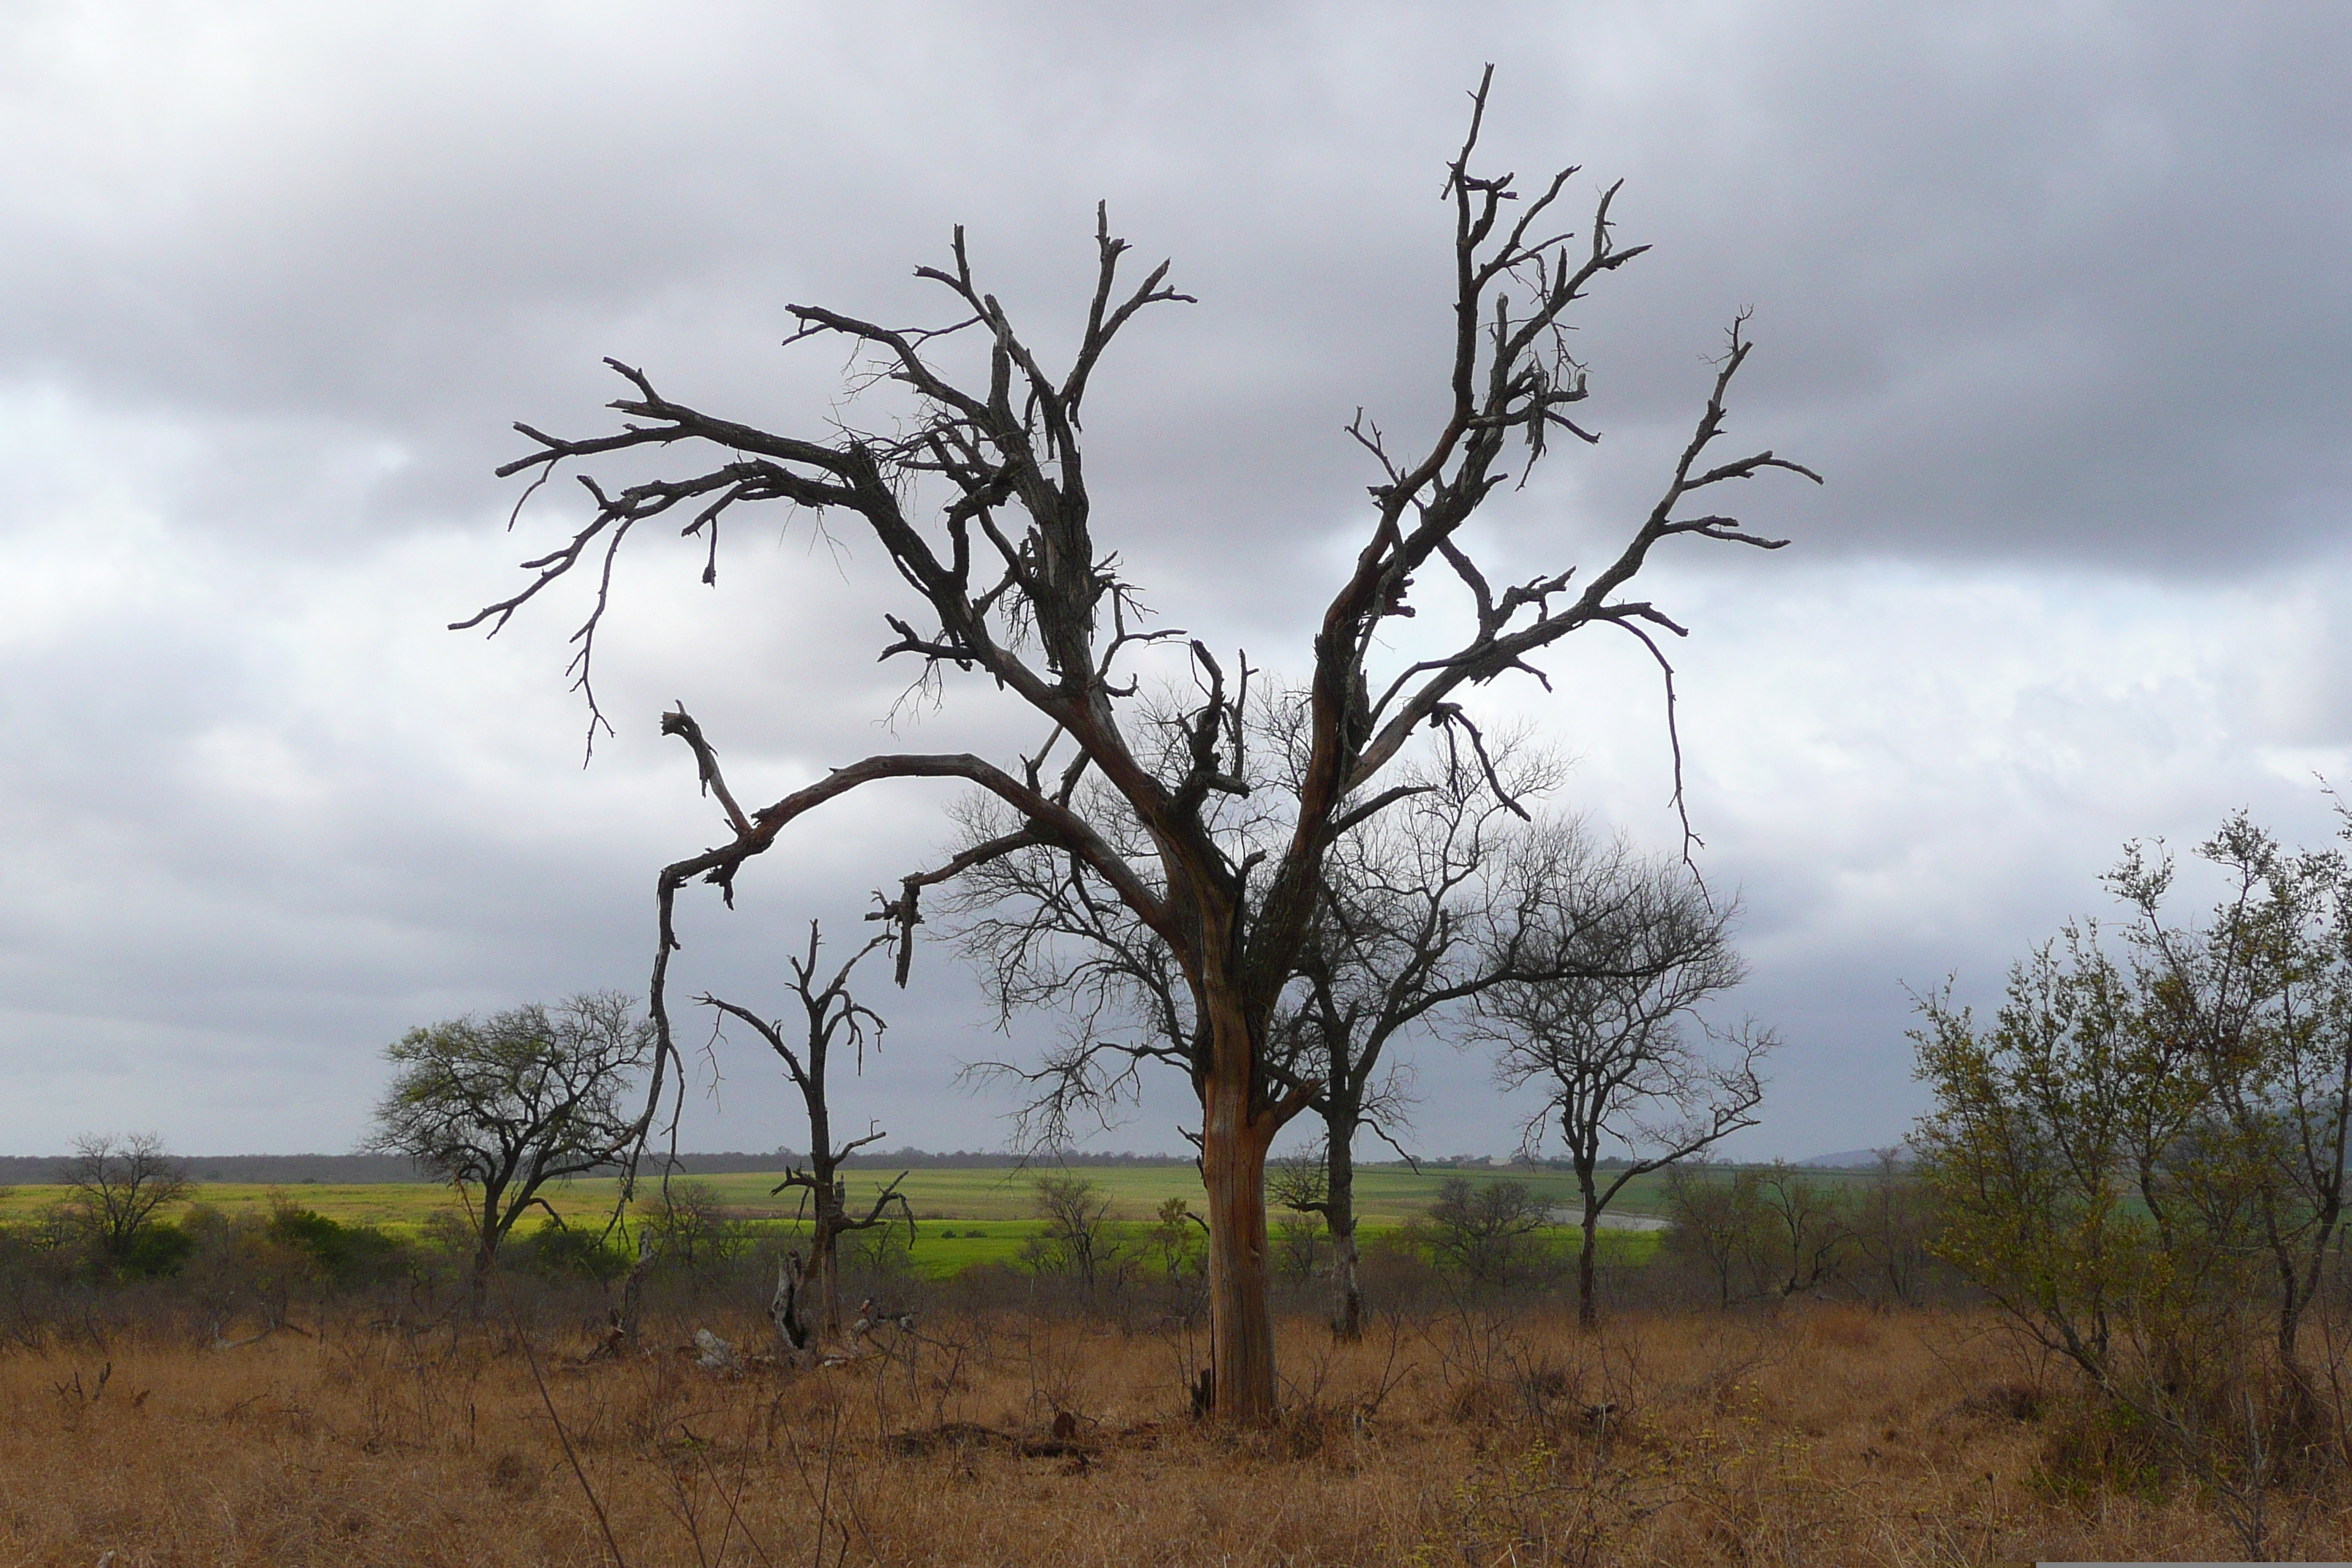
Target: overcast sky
(2054, 295)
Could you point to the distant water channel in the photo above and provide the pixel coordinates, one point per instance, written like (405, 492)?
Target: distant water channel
(1611, 1220)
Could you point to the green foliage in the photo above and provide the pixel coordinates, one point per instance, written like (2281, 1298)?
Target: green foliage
(2044, 1127)
(2144, 1158)
(156, 1250)
(1177, 1241)
(572, 1252)
(346, 1257)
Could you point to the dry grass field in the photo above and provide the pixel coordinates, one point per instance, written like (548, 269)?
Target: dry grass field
(1824, 1435)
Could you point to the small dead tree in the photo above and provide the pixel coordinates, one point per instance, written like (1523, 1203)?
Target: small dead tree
(830, 1017)
(1810, 1227)
(1609, 1038)
(1011, 585)
(119, 1184)
(1076, 1241)
(1892, 1226)
(501, 1106)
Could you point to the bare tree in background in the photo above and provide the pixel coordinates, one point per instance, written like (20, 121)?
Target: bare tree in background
(1449, 892)
(1716, 1213)
(1484, 1231)
(831, 1016)
(1009, 584)
(1609, 1038)
(1410, 925)
(119, 1184)
(1412, 920)
(1810, 1222)
(501, 1106)
(1076, 1241)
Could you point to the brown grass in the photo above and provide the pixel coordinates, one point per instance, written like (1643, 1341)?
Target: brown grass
(1827, 1434)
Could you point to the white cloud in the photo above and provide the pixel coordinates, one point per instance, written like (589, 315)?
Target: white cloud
(2053, 295)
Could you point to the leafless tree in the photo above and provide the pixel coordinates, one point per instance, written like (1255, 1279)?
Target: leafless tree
(1609, 1037)
(1407, 925)
(1077, 1240)
(692, 1230)
(1301, 1183)
(1892, 1226)
(1412, 924)
(502, 1106)
(1716, 1215)
(1449, 892)
(119, 1184)
(1011, 586)
(1485, 1230)
(1810, 1225)
(831, 1016)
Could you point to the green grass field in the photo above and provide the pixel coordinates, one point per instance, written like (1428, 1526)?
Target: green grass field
(964, 1216)
(1385, 1194)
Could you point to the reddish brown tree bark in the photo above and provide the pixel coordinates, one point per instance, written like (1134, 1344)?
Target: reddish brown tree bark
(1019, 593)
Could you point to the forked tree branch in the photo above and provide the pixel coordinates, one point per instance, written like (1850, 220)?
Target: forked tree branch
(977, 497)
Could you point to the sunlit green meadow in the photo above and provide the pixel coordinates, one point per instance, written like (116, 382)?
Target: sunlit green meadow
(963, 1216)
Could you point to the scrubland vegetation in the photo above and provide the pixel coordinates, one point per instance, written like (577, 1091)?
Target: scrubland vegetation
(2103, 1312)
(296, 1390)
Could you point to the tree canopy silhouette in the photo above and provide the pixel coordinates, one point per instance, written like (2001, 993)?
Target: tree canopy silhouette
(979, 498)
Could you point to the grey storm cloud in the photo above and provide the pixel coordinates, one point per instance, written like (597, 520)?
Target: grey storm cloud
(2052, 294)
(2056, 281)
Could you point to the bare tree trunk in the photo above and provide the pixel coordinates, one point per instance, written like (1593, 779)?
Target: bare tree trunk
(1339, 1218)
(486, 1250)
(1241, 1324)
(824, 1252)
(1588, 1311)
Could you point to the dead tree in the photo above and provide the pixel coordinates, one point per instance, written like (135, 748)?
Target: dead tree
(1010, 585)
(1608, 1035)
(784, 1307)
(831, 1016)
(1422, 911)
(1449, 900)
